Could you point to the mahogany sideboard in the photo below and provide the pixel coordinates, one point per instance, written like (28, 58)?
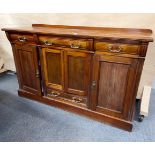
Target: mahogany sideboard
(92, 71)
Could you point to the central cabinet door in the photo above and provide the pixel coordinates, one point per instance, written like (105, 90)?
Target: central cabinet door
(53, 68)
(77, 71)
(66, 73)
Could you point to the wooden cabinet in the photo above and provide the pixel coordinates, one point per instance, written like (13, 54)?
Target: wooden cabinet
(27, 66)
(91, 71)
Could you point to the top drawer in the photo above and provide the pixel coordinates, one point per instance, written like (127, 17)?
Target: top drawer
(66, 42)
(117, 47)
(22, 38)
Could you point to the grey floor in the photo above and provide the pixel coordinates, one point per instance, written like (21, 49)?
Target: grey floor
(25, 120)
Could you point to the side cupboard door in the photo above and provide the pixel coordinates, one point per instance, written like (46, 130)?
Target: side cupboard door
(113, 85)
(27, 68)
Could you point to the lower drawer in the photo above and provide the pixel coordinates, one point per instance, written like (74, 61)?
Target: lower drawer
(67, 97)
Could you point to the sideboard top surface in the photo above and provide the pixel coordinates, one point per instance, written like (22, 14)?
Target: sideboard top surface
(88, 32)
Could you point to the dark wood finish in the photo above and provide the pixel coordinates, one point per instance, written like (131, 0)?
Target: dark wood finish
(77, 71)
(28, 71)
(66, 42)
(139, 35)
(91, 71)
(22, 38)
(117, 47)
(113, 76)
(53, 68)
(67, 97)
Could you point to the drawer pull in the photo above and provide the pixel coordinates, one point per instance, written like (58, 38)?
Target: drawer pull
(114, 48)
(76, 99)
(75, 45)
(54, 94)
(22, 39)
(48, 43)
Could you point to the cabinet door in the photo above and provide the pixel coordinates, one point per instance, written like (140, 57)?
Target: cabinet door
(27, 68)
(53, 68)
(77, 72)
(113, 85)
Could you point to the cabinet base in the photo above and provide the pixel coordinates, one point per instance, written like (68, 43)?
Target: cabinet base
(116, 122)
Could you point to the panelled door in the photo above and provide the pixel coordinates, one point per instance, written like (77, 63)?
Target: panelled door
(77, 71)
(27, 67)
(113, 85)
(52, 63)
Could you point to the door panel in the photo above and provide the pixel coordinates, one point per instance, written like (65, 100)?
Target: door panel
(112, 87)
(53, 68)
(28, 71)
(77, 72)
(115, 79)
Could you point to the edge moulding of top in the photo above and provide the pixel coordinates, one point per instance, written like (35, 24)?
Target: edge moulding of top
(137, 30)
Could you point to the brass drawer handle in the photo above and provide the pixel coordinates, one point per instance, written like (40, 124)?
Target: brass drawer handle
(54, 94)
(48, 43)
(111, 49)
(22, 39)
(75, 44)
(76, 99)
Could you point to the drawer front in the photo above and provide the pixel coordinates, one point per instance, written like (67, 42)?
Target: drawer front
(22, 38)
(66, 42)
(117, 47)
(67, 97)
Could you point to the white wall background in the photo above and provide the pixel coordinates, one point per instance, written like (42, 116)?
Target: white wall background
(103, 19)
